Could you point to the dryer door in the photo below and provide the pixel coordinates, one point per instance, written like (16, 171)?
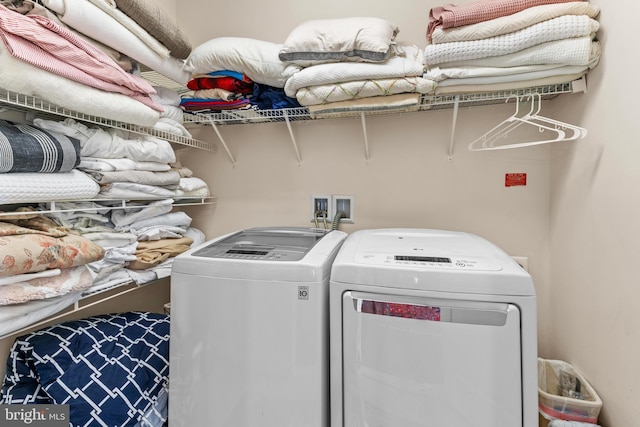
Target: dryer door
(426, 362)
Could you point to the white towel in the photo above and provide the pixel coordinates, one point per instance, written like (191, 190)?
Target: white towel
(554, 29)
(563, 423)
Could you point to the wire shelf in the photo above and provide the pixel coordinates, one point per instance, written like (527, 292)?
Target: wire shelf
(47, 110)
(426, 103)
(96, 205)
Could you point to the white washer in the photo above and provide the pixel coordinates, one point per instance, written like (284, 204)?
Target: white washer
(250, 329)
(431, 328)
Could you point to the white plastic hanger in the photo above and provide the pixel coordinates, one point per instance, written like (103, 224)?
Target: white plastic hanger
(578, 132)
(502, 130)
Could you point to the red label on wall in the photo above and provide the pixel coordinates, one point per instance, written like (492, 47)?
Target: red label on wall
(513, 179)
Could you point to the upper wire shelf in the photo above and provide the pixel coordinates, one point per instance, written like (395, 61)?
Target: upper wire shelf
(101, 205)
(26, 103)
(426, 103)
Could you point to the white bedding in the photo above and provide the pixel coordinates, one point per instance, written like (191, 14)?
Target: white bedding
(131, 25)
(526, 75)
(35, 187)
(441, 75)
(562, 27)
(17, 316)
(378, 104)
(129, 190)
(408, 63)
(73, 279)
(93, 22)
(514, 22)
(571, 51)
(108, 165)
(112, 143)
(344, 91)
(19, 76)
(504, 85)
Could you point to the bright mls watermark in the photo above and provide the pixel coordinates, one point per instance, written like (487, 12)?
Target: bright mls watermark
(34, 415)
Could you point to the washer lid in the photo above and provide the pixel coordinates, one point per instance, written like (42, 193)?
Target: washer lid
(433, 260)
(433, 249)
(265, 243)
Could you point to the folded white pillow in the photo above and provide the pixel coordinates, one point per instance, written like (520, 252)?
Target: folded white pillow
(361, 39)
(257, 59)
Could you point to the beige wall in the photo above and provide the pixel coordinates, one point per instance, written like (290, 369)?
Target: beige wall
(576, 219)
(594, 228)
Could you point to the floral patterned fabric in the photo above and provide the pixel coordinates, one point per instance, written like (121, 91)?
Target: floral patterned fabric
(25, 250)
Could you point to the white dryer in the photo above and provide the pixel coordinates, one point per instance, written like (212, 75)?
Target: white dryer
(250, 329)
(431, 328)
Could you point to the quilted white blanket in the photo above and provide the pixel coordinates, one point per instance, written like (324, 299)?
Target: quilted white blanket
(571, 51)
(35, 187)
(406, 63)
(562, 27)
(344, 91)
(513, 22)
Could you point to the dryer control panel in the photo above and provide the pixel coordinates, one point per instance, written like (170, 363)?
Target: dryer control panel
(438, 262)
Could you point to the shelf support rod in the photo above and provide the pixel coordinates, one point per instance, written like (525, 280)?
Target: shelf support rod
(224, 144)
(293, 138)
(366, 139)
(456, 104)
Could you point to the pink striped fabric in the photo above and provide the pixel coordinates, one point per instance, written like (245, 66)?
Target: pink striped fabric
(450, 15)
(41, 42)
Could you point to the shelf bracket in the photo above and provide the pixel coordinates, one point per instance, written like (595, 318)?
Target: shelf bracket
(456, 105)
(366, 139)
(293, 138)
(222, 141)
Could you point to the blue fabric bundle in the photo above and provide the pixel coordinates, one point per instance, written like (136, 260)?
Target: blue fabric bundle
(109, 369)
(26, 148)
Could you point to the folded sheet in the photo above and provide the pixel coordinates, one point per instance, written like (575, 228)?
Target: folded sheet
(28, 148)
(513, 22)
(451, 15)
(82, 15)
(69, 94)
(406, 63)
(562, 27)
(571, 51)
(343, 91)
(35, 187)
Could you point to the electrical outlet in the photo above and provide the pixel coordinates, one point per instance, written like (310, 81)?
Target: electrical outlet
(321, 205)
(346, 206)
(523, 261)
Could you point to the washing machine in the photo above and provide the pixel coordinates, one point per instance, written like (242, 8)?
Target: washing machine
(431, 328)
(250, 329)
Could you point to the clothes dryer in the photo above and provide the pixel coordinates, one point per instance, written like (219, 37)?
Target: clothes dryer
(250, 329)
(431, 328)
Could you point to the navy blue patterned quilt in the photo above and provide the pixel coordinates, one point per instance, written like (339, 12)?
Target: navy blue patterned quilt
(109, 369)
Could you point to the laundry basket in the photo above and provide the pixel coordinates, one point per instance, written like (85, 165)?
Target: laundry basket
(563, 393)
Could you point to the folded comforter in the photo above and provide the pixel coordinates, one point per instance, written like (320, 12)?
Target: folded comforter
(406, 63)
(565, 26)
(82, 15)
(74, 279)
(571, 51)
(514, 22)
(450, 15)
(27, 148)
(344, 91)
(486, 76)
(34, 187)
(152, 18)
(112, 143)
(26, 79)
(47, 45)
